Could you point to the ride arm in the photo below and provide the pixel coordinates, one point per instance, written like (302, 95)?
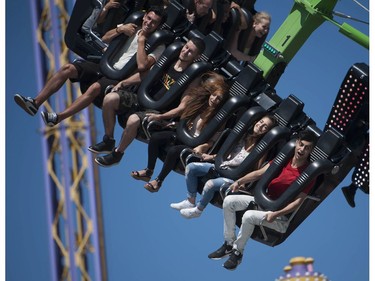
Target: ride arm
(304, 18)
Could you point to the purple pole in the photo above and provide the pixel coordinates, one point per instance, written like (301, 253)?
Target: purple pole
(47, 182)
(65, 152)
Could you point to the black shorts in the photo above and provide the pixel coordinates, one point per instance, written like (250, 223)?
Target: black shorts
(88, 74)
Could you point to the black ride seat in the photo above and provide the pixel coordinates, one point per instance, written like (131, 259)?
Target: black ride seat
(323, 160)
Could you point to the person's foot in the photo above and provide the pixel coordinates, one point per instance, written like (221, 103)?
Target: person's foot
(224, 251)
(191, 213)
(106, 146)
(26, 103)
(154, 185)
(110, 159)
(49, 118)
(349, 193)
(234, 260)
(143, 175)
(182, 205)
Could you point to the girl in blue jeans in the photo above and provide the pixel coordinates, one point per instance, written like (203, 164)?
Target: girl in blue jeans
(195, 170)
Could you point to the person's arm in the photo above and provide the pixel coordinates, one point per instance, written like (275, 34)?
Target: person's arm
(135, 79)
(241, 56)
(144, 61)
(127, 29)
(171, 113)
(107, 7)
(243, 22)
(202, 148)
(250, 177)
(271, 216)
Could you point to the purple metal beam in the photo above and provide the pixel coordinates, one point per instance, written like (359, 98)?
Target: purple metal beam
(35, 15)
(70, 221)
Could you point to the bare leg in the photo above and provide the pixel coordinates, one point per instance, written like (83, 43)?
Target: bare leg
(81, 102)
(110, 106)
(129, 133)
(55, 82)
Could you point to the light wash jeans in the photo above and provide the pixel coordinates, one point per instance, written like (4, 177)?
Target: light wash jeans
(250, 219)
(195, 170)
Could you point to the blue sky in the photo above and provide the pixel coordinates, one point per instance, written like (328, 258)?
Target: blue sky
(146, 239)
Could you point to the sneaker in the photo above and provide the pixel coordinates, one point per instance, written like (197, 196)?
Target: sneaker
(106, 146)
(49, 118)
(26, 103)
(224, 251)
(349, 193)
(191, 213)
(182, 205)
(234, 260)
(110, 159)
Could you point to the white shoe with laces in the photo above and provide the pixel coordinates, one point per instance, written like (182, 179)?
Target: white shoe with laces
(191, 213)
(182, 205)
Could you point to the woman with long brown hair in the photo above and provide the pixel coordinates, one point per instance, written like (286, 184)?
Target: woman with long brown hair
(203, 103)
(194, 170)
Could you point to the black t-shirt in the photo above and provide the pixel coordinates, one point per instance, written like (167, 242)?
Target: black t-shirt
(165, 83)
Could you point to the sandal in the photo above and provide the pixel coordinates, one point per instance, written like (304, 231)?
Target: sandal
(145, 177)
(153, 188)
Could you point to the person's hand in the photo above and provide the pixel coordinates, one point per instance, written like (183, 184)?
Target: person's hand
(235, 186)
(112, 5)
(153, 117)
(207, 157)
(127, 29)
(198, 149)
(141, 37)
(118, 87)
(190, 17)
(270, 216)
(235, 5)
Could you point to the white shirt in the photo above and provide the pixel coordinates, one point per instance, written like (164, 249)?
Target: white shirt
(236, 157)
(130, 48)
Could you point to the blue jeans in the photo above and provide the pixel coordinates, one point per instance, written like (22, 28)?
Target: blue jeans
(198, 169)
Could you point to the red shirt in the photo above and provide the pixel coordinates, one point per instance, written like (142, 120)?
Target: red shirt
(287, 176)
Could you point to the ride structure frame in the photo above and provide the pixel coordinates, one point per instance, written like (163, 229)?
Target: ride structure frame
(73, 200)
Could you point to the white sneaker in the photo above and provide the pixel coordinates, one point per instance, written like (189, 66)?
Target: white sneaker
(191, 213)
(182, 205)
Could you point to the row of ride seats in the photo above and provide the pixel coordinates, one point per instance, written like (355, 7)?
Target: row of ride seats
(250, 98)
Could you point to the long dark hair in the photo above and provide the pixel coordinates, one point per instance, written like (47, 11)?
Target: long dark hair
(212, 82)
(250, 137)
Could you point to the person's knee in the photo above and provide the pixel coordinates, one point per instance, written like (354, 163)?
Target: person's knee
(228, 201)
(94, 89)
(249, 217)
(69, 71)
(133, 121)
(208, 186)
(190, 168)
(111, 100)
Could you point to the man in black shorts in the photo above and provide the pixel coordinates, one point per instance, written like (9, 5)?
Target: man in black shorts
(89, 73)
(118, 101)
